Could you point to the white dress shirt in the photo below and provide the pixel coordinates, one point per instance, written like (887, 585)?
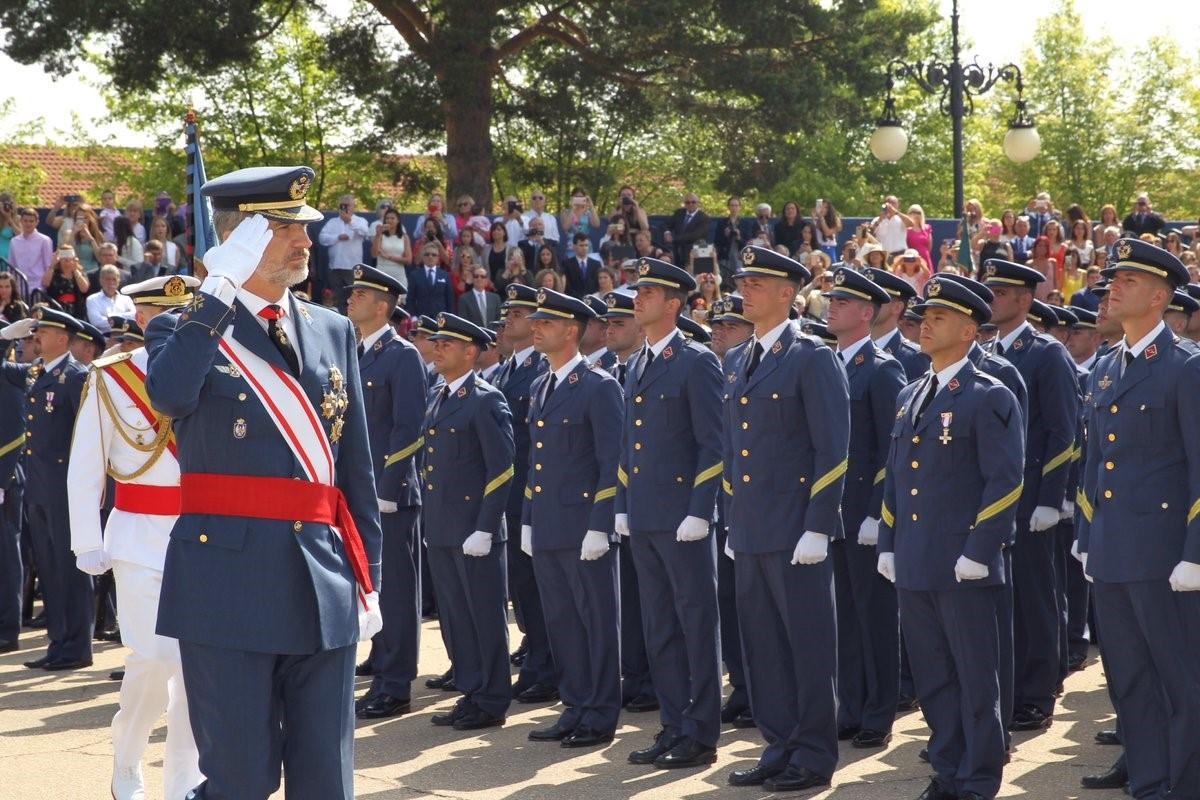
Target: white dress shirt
(849, 352)
(255, 304)
(100, 307)
(348, 253)
(369, 341)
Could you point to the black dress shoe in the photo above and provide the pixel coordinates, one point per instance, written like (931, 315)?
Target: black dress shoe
(555, 733)
(1075, 662)
(37, 622)
(1107, 737)
(440, 680)
(731, 711)
(383, 705)
(460, 710)
(10, 647)
(583, 736)
(755, 776)
(1116, 777)
(662, 744)
(643, 702)
(906, 703)
(1030, 718)
(687, 753)
(109, 636)
(869, 738)
(64, 664)
(847, 733)
(538, 693)
(363, 670)
(448, 685)
(37, 663)
(117, 675)
(795, 779)
(934, 791)
(744, 720)
(924, 754)
(477, 720)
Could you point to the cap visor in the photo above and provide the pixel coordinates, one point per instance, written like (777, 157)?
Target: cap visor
(300, 213)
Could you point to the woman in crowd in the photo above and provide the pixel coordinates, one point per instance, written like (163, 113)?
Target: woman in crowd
(463, 275)
(919, 235)
(708, 291)
(12, 307)
(546, 259)
(85, 237)
(66, 283)
(1053, 232)
(129, 250)
(550, 279)
(993, 246)
(1081, 243)
(463, 211)
(496, 254)
(643, 246)
(391, 247)
(1173, 243)
(787, 229)
(1108, 216)
(160, 229)
(829, 224)
(431, 231)
(1008, 226)
(579, 217)
(1041, 260)
(913, 269)
(817, 262)
(807, 243)
(514, 271)
(606, 280)
(10, 226)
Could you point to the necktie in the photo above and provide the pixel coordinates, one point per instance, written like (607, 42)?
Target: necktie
(273, 314)
(646, 362)
(441, 398)
(549, 389)
(621, 370)
(927, 399)
(755, 356)
(1129, 357)
(999, 348)
(432, 274)
(361, 350)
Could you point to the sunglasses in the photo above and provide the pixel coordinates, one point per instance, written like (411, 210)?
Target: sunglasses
(538, 197)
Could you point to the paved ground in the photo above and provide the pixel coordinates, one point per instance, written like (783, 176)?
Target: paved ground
(54, 744)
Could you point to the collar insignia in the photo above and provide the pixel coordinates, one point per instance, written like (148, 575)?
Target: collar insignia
(1018, 344)
(462, 391)
(573, 378)
(378, 345)
(952, 386)
(668, 352)
(775, 348)
(1151, 351)
(858, 359)
(528, 360)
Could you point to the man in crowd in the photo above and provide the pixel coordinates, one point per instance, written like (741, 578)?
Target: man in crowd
(343, 237)
(31, 251)
(580, 268)
(479, 306)
(1142, 218)
(108, 301)
(153, 265)
(548, 225)
(687, 226)
(429, 289)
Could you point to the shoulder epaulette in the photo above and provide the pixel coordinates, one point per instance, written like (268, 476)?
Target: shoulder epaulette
(115, 358)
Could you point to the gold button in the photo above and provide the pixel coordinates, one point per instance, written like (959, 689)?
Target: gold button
(242, 396)
(914, 492)
(297, 526)
(636, 470)
(539, 445)
(745, 400)
(430, 449)
(914, 517)
(585, 494)
(774, 396)
(30, 416)
(467, 498)
(369, 384)
(916, 464)
(1112, 409)
(637, 445)
(916, 440)
(745, 479)
(1109, 465)
(637, 422)
(637, 399)
(1108, 494)
(541, 423)
(432, 431)
(203, 538)
(537, 466)
(803, 479)
(1112, 437)
(1164, 505)
(429, 468)
(28, 452)
(29, 434)
(745, 426)
(429, 486)
(452, 430)
(745, 453)
(537, 489)
(679, 479)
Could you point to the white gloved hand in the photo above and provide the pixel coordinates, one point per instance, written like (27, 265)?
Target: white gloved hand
(478, 544)
(967, 570)
(1075, 551)
(236, 258)
(621, 524)
(595, 545)
(1, 497)
(18, 330)
(868, 532)
(527, 540)
(886, 566)
(93, 562)
(1083, 560)
(1068, 510)
(370, 619)
(728, 550)
(387, 506)
(1185, 577)
(1044, 518)
(811, 549)
(692, 529)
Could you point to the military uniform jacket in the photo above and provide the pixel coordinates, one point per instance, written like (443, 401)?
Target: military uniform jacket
(517, 386)
(51, 404)
(1140, 496)
(263, 585)
(12, 431)
(393, 381)
(606, 362)
(915, 362)
(671, 437)
(786, 439)
(1002, 370)
(468, 463)
(875, 380)
(576, 439)
(953, 482)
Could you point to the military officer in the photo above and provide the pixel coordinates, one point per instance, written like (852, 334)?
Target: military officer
(574, 425)
(423, 328)
(536, 680)
(885, 329)
(12, 480)
(468, 467)
(1193, 327)
(393, 381)
(1179, 314)
(670, 472)
(868, 621)
(272, 570)
(693, 330)
(1140, 478)
(594, 345)
(87, 343)
(949, 503)
(1051, 424)
(787, 433)
(820, 331)
(118, 434)
(53, 387)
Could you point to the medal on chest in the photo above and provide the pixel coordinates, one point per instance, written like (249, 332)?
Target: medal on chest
(947, 418)
(49, 402)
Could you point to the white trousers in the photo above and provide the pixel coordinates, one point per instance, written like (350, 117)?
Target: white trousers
(153, 683)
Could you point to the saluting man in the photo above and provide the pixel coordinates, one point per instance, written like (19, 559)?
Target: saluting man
(117, 433)
(787, 434)
(393, 381)
(272, 571)
(468, 467)
(575, 427)
(950, 497)
(669, 476)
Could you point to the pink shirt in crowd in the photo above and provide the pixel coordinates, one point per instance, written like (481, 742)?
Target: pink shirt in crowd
(919, 240)
(32, 255)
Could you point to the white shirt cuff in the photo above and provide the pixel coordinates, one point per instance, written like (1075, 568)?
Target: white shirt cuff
(219, 287)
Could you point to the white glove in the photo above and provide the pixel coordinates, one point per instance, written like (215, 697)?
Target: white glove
(1075, 551)
(1068, 510)
(1044, 518)
(478, 544)
(811, 549)
(527, 540)
(967, 570)
(1, 497)
(18, 330)
(595, 544)
(93, 562)
(1085, 572)
(370, 619)
(728, 550)
(868, 532)
(621, 524)
(886, 566)
(387, 506)
(692, 529)
(1185, 577)
(236, 258)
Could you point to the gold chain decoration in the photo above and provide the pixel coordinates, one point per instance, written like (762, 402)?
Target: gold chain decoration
(155, 447)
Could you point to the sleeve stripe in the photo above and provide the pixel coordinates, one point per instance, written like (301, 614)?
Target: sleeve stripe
(727, 486)
(1192, 512)
(13, 445)
(405, 453)
(623, 477)
(879, 476)
(605, 494)
(1000, 505)
(528, 494)
(886, 515)
(829, 477)
(1086, 507)
(1058, 460)
(708, 474)
(1077, 454)
(498, 481)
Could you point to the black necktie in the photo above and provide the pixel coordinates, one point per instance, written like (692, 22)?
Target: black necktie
(549, 389)
(928, 398)
(755, 357)
(646, 362)
(1129, 357)
(273, 314)
(621, 370)
(361, 350)
(999, 348)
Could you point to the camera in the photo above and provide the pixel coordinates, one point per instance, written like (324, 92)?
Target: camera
(514, 207)
(626, 200)
(344, 207)
(430, 236)
(72, 198)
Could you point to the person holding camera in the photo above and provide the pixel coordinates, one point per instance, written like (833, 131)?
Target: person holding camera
(580, 217)
(514, 225)
(538, 213)
(66, 283)
(629, 215)
(343, 237)
(888, 228)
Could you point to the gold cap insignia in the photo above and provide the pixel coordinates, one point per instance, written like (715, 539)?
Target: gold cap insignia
(358, 273)
(643, 267)
(512, 292)
(441, 322)
(747, 256)
(839, 277)
(935, 288)
(1124, 248)
(989, 269)
(611, 301)
(807, 329)
(175, 287)
(913, 302)
(37, 313)
(299, 188)
(541, 297)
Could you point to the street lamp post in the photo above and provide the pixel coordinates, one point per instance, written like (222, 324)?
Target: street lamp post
(958, 85)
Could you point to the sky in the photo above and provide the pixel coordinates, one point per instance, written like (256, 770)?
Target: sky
(999, 41)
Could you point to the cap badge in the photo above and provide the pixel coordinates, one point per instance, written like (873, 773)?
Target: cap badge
(541, 297)
(611, 301)
(1124, 248)
(299, 188)
(175, 287)
(37, 313)
(935, 288)
(912, 302)
(747, 256)
(441, 322)
(989, 269)
(358, 273)
(839, 278)
(512, 292)
(643, 267)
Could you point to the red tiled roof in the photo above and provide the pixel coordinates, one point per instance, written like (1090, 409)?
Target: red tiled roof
(67, 171)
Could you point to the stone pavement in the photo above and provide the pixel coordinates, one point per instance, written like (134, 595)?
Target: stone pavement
(54, 744)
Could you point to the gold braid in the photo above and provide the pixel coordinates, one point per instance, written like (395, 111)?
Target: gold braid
(155, 447)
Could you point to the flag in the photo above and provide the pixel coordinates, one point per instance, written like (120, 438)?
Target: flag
(200, 235)
(964, 251)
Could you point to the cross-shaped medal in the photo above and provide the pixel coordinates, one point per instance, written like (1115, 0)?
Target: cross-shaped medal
(945, 437)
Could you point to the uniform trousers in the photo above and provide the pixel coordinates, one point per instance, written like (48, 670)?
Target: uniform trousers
(954, 644)
(472, 596)
(12, 575)
(538, 666)
(1004, 618)
(67, 593)
(1035, 619)
(731, 635)
(394, 649)
(1072, 598)
(153, 683)
(635, 665)
(1152, 649)
(579, 599)
(677, 582)
(255, 713)
(789, 647)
